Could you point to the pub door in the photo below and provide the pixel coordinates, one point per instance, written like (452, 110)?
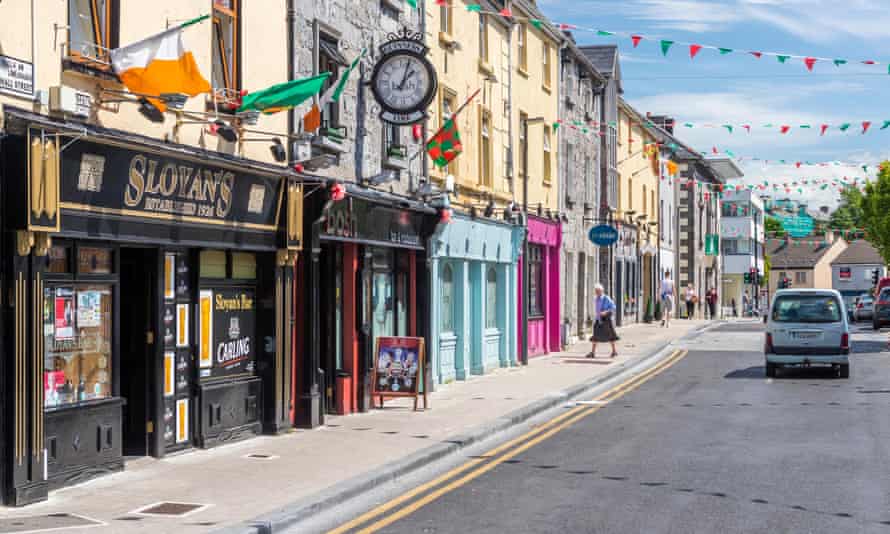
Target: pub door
(138, 309)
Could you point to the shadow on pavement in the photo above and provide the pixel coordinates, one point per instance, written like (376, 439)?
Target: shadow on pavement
(759, 372)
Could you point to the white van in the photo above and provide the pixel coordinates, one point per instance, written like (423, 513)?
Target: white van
(807, 327)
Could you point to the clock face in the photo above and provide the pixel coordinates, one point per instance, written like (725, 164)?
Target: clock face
(403, 82)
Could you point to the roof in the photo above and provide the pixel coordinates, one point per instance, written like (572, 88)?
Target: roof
(799, 254)
(605, 60)
(859, 252)
(724, 168)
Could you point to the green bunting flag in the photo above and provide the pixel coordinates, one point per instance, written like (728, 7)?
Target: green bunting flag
(783, 59)
(688, 125)
(805, 126)
(537, 23)
(724, 51)
(665, 46)
(412, 3)
(603, 33)
(728, 127)
(839, 62)
(845, 126)
(475, 8)
(885, 125)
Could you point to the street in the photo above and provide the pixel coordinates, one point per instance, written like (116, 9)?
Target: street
(705, 443)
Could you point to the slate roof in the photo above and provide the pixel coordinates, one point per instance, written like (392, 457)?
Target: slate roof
(799, 254)
(859, 252)
(603, 57)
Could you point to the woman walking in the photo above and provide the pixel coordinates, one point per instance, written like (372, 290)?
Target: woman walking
(603, 329)
(690, 301)
(667, 299)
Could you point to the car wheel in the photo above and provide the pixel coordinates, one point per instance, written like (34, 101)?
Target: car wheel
(844, 371)
(770, 370)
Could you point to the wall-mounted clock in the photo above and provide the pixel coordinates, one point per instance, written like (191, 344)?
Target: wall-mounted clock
(404, 81)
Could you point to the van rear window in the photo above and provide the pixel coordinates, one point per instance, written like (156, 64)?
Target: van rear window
(806, 309)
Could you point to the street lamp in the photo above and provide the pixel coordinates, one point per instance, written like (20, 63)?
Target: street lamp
(523, 354)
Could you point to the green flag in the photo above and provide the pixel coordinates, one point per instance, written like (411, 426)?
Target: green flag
(334, 96)
(782, 59)
(724, 51)
(839, 62)
(412, 3)
(284, 95)
(665, 46)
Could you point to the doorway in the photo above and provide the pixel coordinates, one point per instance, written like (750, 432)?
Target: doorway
(581, 295)
(138, 284)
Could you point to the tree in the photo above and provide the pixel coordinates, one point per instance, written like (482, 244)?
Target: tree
(773, 227)
(848, 215)
(876, 212)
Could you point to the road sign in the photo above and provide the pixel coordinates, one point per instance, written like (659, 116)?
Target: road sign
(603, 235)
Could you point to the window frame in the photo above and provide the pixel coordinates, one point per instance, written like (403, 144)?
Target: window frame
(546, 65)
(536, 281)
(231, 73)
(330, 116)
(446, 319)
(486, 154)
(483, 38)
(491, 295)
(522, 46)
(446, 21)
(102, 59)
(547, 150)
(448, 96)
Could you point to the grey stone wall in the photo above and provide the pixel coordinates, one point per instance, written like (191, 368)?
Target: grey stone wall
(358, 25)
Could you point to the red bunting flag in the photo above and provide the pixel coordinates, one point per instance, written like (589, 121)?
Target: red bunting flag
(441, 2)
(797, 164)
(506, 12)
(865, 126)
(810, 61)
(636, 39)
(868, 62)
(758, 55)
(714, 150)
(567, 27)
(694, 49)
(747, 127)
(824, 128)
(785, 129)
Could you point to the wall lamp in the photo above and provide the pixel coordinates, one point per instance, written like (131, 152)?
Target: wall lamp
(277, 148)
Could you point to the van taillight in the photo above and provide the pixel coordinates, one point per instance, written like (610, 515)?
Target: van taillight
(768, 346)
(845, 342)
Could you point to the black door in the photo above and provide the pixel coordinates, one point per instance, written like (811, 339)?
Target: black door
(138, 309)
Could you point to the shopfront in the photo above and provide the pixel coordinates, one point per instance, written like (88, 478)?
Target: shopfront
(473, 273)
(152, 286)
(628, 275)
(365, 278)
(544, 241)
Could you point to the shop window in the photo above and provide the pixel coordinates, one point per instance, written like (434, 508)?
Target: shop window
(447, 310)
(522, 41)
(535, 281)
(545, 65)
(244, 265)
(77, 331)
(483, 38)
(547, 157)
(94, 260)
(213, 264)
(59, 259)
(90, 31)
(226, 71)
(523, 117)
(485, 158)
(491, 298)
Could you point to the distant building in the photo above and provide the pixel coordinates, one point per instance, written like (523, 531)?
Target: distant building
(853, 270)
(742, 237)
(805, 262)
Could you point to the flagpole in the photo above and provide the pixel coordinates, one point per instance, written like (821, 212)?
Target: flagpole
(453, 115)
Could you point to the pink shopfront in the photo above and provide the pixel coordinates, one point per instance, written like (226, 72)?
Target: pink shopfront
(544, 241)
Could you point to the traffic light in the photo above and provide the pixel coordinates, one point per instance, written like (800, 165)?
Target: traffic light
(747, 278)
(785, 283)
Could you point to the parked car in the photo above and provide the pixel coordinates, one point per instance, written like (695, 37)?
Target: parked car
(807, 327)
(864, 309)
(881, 311)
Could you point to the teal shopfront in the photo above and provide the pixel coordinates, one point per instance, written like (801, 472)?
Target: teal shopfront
(474, 276)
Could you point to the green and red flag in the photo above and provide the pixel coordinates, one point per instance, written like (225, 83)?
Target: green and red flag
(445, 145)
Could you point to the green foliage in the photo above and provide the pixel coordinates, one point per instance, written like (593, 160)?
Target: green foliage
(876, 212)
(849, 214)
(773, 227)
(766, 269)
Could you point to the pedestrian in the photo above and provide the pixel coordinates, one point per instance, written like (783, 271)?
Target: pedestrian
(735, 312)
(667, 299)
(712, 302)
(603, 329)
(745, 304)
(690, 300)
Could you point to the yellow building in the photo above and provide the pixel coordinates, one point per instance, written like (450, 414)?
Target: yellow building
(638, 192)
(514, 65)
(69, 48)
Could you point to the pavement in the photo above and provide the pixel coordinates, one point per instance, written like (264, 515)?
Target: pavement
(706, 444)
(282, 479)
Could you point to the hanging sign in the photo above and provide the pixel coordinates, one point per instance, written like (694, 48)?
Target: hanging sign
(404, 81)
(603, 235)
(399, 367)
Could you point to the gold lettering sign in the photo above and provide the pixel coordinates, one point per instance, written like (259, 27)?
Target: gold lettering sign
(178, 189)
(240, 303)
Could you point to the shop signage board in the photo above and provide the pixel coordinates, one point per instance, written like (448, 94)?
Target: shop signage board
(603, 235)
(398, 369)
(226, 339)
(354, 219)
(113, 180)
(16, 77)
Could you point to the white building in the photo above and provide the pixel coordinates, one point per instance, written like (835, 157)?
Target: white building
(742, 239)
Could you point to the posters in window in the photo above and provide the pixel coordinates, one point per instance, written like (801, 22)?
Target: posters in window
(169, 325)
(182, 276)
(64, 314)
(182, 325)
(169, 373)
(231, 331)
(169, 276)
(398, 368)
(205, 325)
(89, 309)
(182, 420)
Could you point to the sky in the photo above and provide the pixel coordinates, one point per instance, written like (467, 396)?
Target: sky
(740, 89)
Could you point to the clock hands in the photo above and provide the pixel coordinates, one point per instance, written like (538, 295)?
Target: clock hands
(408, 73)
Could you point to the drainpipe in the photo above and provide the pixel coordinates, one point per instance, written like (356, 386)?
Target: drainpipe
(510, 104)
(291, 73)
(425, 126)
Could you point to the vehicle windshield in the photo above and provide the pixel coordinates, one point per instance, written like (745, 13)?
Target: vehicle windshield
(885, 294)
(806, 309)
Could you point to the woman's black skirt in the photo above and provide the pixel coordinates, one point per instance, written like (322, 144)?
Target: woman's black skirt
(604, 331)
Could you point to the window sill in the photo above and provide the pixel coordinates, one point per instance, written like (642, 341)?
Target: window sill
(84, 404)
(95, 70)
(394, 162)
(536, 316)
(329, 144)
(485, 67)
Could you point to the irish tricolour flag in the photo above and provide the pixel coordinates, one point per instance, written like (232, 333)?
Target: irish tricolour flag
(160, 64)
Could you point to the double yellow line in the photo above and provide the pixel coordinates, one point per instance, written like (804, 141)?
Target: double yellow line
(488, 461)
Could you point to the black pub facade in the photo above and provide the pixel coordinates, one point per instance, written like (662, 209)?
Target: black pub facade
(148, 300)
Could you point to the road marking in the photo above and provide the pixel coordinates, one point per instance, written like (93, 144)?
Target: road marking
(534, 437)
